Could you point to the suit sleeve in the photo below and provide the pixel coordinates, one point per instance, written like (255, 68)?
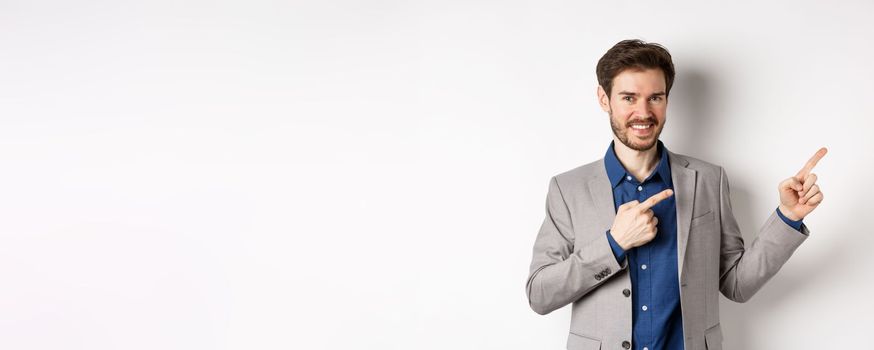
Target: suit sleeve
(742, 272)
(559, 273)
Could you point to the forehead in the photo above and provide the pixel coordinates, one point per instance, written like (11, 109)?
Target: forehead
(639, 80)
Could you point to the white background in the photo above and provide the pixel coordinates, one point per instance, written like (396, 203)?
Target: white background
(372, 174)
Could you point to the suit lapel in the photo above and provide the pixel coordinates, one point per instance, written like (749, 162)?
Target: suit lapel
(684, 196)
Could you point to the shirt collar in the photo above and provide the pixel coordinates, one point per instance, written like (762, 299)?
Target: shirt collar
(615, 170)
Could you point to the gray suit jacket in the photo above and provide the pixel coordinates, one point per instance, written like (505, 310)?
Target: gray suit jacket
(573, 263)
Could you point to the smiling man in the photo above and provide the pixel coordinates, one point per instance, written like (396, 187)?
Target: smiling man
(642, 241)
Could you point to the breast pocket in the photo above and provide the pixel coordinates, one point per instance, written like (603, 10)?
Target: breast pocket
(580, 342)
(702, 219)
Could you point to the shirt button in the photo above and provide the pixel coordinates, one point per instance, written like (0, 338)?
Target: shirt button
(643, 266)
(639, 188)
(628, 178)
(644, 308)
(645, 348)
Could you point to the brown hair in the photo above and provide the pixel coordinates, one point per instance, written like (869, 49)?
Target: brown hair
(634, 54)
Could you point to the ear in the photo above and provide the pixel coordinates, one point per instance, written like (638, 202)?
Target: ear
(603, 99)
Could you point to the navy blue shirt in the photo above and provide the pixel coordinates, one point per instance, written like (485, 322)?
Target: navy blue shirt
(657, 322)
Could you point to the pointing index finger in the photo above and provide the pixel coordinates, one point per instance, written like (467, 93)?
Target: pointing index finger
(655, 199)
(811, 163)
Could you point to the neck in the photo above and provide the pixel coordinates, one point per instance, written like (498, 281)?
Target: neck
(639, 163)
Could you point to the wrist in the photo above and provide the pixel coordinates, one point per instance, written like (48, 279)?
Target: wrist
(788, 213)
(619, 243)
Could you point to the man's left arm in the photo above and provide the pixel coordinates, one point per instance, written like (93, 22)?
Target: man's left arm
(744, 271)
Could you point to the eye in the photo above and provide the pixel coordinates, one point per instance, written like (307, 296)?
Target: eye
(656, 98)
(627, 98)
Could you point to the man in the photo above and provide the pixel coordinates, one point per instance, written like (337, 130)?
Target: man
(642, 241)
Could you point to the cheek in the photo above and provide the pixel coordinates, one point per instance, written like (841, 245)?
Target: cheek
(621, 111)
(661, 113)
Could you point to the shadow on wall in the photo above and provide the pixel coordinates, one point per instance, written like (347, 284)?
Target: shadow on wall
(696, 131)
(691, 115)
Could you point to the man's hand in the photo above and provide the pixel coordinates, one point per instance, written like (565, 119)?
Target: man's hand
(800, 194)
(635, 223)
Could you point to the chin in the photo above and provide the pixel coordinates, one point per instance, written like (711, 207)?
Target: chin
(642, 145)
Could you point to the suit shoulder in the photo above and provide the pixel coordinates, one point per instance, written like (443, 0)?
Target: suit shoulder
(579, 174)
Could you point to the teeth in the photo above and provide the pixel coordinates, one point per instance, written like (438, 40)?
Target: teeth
(640, 127)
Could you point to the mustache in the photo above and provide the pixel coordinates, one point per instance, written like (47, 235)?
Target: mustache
(643, 120)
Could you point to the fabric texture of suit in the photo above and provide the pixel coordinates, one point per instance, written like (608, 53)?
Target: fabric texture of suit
(572, 261)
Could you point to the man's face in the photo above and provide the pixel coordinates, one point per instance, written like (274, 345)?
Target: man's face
(637, 107)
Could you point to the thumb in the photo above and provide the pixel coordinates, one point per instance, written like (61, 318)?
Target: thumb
(790, 184)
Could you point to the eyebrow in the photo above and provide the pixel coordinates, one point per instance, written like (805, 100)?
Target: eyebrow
(628, 93)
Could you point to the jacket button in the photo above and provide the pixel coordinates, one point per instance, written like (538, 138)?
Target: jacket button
(626, 292)
(597, 277)
(626, 344)
(606, 271)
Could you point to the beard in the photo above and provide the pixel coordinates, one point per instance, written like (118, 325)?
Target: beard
(621, 132)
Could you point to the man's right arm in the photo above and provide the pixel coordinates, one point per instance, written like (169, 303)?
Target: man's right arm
(558, 274)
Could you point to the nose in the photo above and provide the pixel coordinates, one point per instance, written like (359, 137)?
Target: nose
(642, 109)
